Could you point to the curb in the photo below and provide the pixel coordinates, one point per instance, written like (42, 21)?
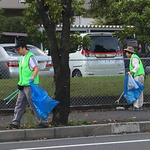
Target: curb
(74, 131)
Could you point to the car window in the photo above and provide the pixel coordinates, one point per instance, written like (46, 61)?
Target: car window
(36, 51)
(11, 51)
(104, 44)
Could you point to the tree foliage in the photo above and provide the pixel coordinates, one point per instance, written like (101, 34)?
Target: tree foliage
(32, 21)
(2, 18)
(48, 14)
(11, 24)
(14, 24)
(135, 13)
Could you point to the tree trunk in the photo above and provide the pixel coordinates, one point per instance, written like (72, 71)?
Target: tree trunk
(60, 58)
(62, 81)
(143, 49)
(60, 115)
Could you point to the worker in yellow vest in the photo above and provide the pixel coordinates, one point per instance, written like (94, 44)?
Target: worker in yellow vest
(28, 71)
(136, 69)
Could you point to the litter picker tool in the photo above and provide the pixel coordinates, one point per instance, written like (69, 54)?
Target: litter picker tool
(11, 96)
(118, 100)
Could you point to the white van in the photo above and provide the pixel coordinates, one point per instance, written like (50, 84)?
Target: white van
(103, 58)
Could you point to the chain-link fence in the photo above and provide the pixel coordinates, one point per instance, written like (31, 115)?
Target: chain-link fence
(93, 82)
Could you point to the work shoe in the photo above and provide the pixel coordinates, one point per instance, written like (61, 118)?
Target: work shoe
(141, 108)
(135, 108)
(12, 126)
(42, 126)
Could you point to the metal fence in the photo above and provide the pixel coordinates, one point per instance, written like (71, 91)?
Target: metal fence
(93, 82)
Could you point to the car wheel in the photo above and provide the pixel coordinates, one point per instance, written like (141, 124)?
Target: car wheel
(76, 73)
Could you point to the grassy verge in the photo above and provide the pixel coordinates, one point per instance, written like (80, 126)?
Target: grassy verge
(85, 86)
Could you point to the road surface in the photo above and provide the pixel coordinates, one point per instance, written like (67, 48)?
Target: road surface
(136, 141)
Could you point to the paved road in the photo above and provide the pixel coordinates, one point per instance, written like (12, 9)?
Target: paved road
(137, 141)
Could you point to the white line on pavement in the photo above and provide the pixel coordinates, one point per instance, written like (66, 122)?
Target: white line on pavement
(82, 145)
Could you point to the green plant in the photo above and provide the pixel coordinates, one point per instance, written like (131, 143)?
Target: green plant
(28, 125)
(78, 122)
(87, 42)
(29, 115)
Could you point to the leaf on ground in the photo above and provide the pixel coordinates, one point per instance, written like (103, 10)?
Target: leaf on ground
(115, 120)
(134, 117)
(95, 122)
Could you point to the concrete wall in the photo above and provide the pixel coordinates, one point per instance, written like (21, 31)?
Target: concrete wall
(83, 21)
(15, 8)
(15, 4)
(12, 4)
(86, 5)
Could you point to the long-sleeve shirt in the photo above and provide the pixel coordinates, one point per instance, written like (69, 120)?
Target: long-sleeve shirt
(135, 64)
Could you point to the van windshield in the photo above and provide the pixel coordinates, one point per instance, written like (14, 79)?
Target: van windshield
(104, 44)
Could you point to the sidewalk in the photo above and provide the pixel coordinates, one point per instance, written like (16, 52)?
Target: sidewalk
(101, 116)
(104, 122)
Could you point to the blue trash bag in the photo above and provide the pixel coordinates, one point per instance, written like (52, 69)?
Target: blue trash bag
(42, 102)
(133, 94)
(131, 83)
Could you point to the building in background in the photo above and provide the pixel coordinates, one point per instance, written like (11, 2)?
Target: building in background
(13, 7)
(16, 7)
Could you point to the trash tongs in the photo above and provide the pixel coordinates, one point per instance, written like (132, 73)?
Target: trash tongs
(13, 94)
(118, 100)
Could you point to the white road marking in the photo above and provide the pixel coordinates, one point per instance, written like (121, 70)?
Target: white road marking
(74, 138)
(64, 139)
(82, 145)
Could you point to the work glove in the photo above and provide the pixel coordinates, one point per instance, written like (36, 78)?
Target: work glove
(31, 79)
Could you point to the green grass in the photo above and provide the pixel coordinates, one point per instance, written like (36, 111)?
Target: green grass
(84, 86)
(94, 86)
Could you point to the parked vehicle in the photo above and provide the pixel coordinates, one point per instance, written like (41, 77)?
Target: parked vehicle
(9, 66)
(4, 71)
(101, 59)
